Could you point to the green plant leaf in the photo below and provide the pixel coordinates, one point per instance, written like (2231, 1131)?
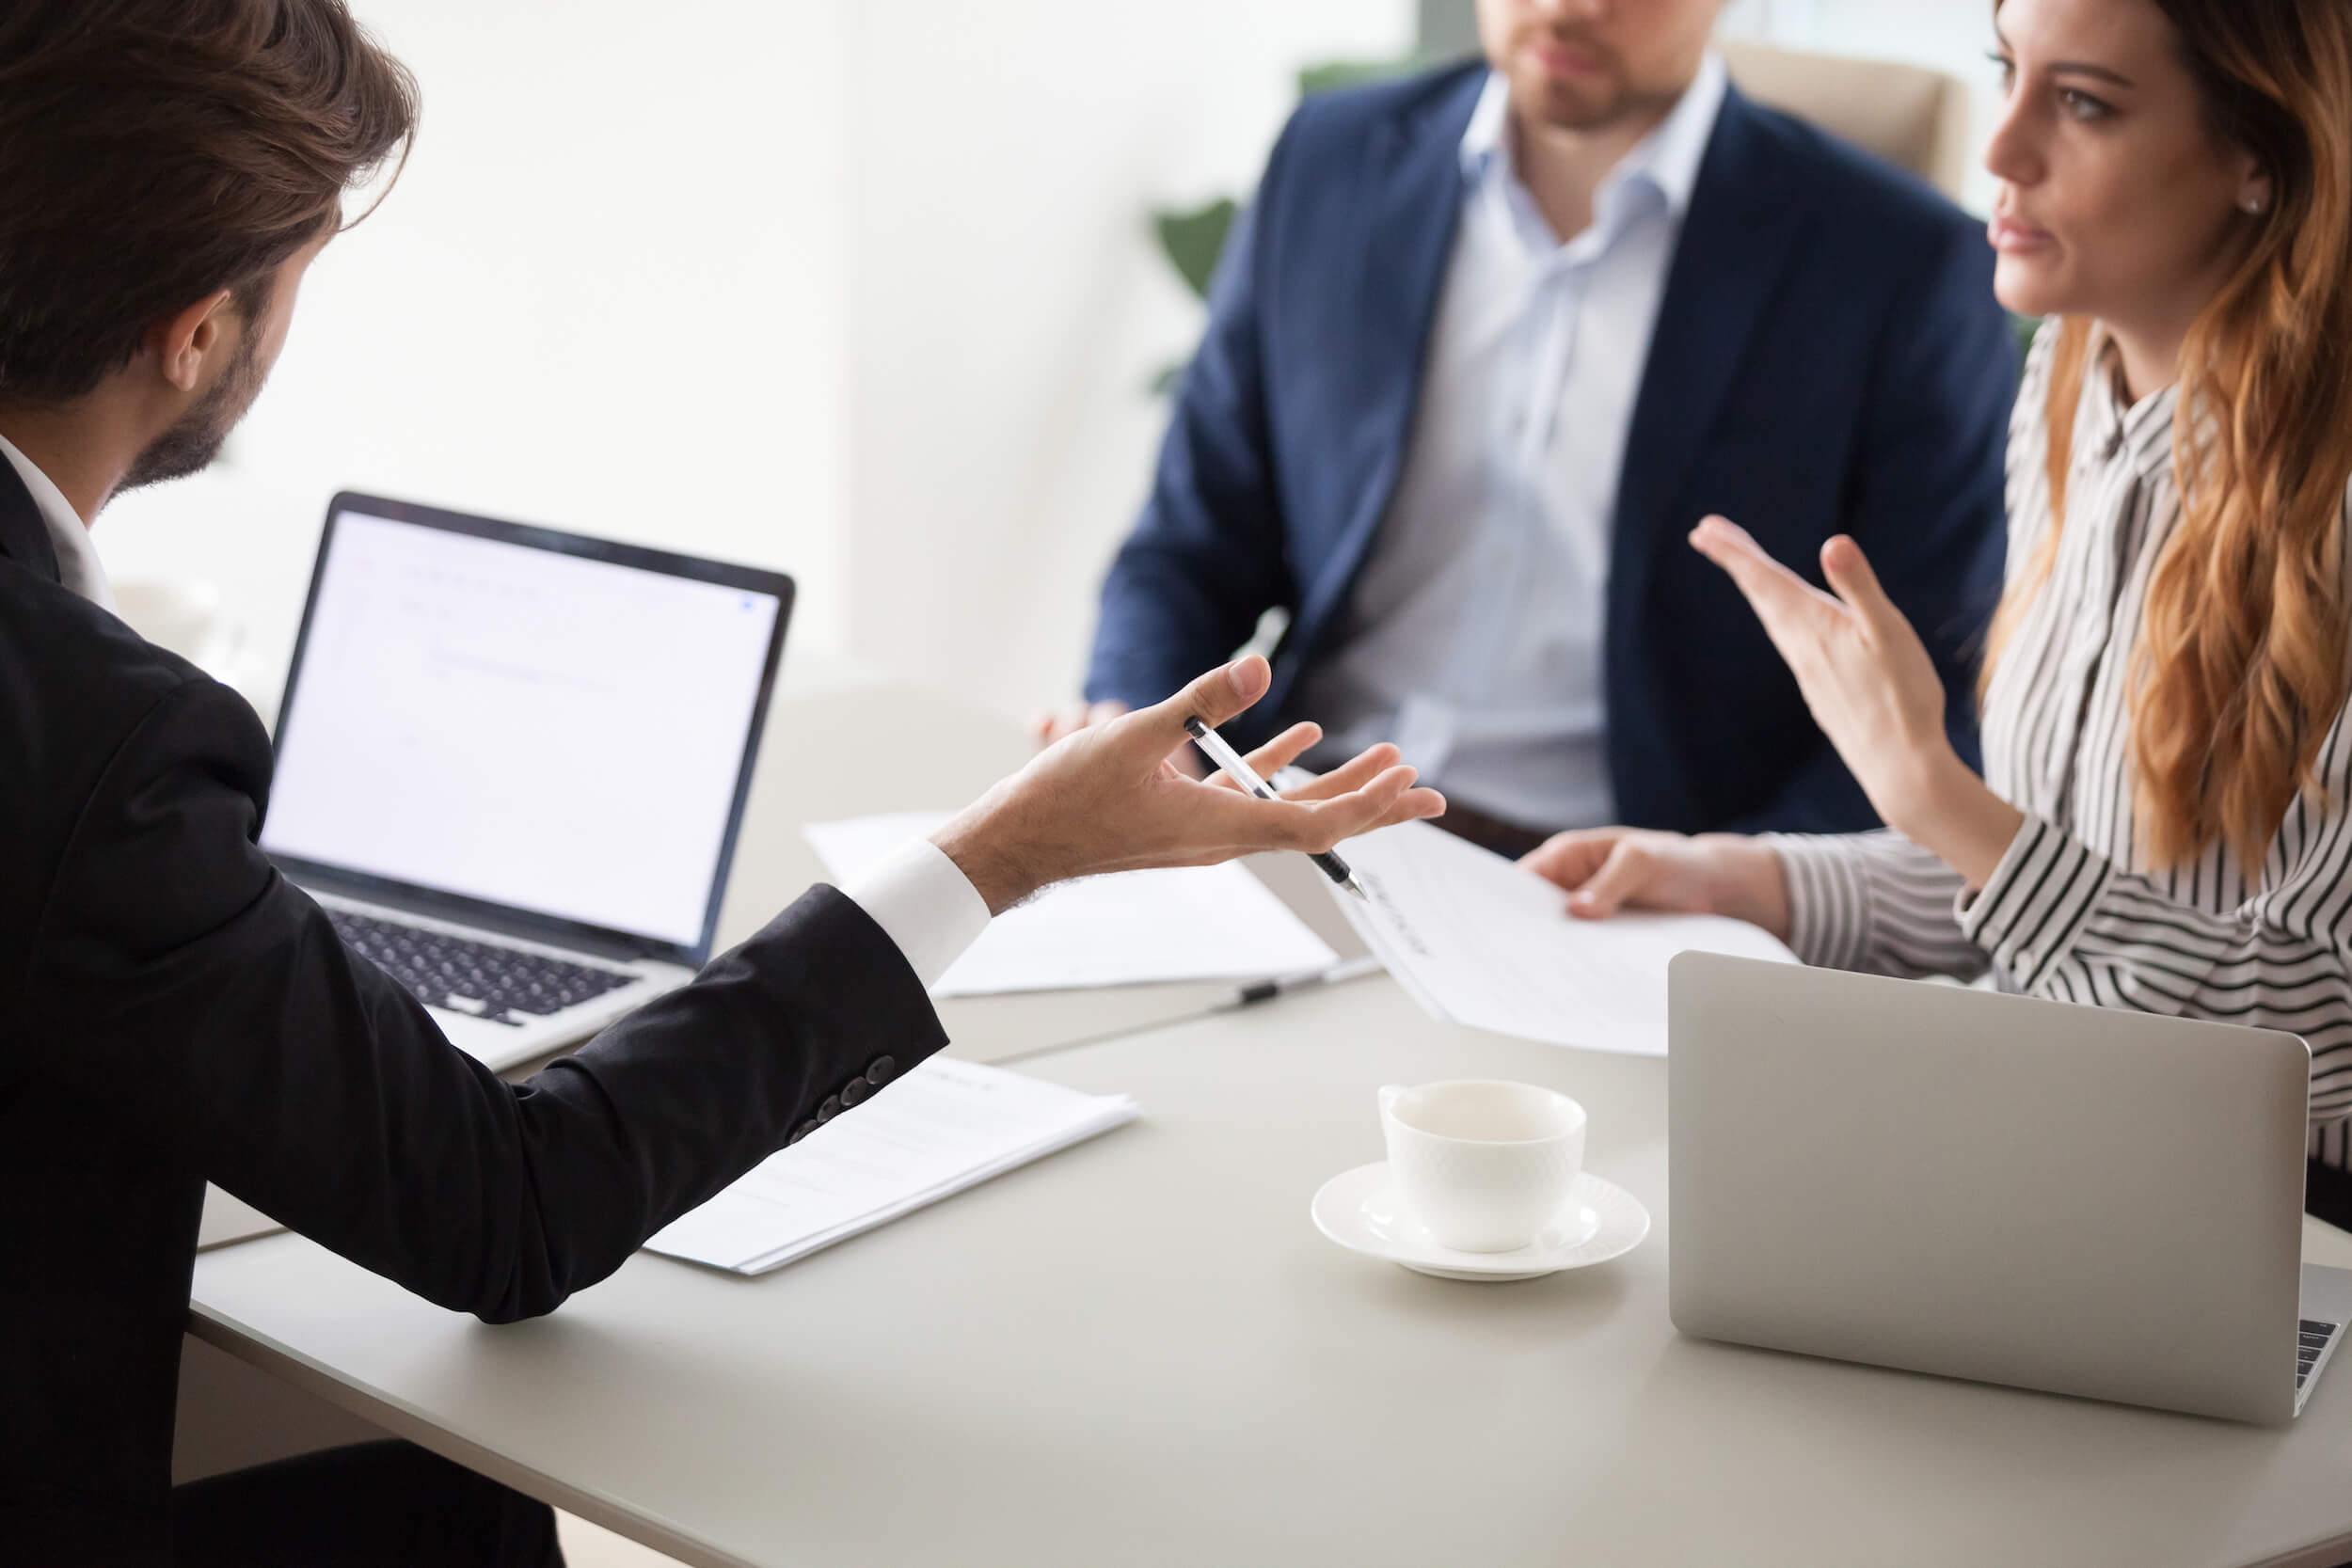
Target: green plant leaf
(1331, 74)
(1193, 240)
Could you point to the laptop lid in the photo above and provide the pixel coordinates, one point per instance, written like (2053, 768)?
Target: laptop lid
(534, 732)
(2083, 1199)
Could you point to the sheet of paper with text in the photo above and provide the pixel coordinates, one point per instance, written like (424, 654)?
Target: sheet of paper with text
(1476, 939)
(1191, 922)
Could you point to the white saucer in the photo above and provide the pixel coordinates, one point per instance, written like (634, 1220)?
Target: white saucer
(1359, 1209)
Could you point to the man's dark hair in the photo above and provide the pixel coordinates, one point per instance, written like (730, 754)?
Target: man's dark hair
(156, 151)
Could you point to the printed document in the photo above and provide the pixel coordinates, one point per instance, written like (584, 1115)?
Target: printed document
(946, 1126)
(1476, 939)
(1193, 923)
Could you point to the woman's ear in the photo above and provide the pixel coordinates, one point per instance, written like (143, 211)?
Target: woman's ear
(2254, 193)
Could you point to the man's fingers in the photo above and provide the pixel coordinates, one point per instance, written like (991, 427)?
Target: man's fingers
(1313, 826)
(1054, 723)
(1215, 699)
(1415, 805)
(1329, 822)
(1280, 752)
(1356, 772)
(1072, 716)
(1620, 879)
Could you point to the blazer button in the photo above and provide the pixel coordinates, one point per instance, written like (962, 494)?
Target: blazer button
(830, 1109)
(879, 1072)
(799, 1133)
(855, 1090)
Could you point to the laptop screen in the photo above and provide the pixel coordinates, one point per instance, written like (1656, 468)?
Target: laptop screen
(523, 719)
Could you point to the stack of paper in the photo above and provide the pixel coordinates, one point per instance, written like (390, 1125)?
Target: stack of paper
(1477, 939)
(943, 1127)
(1196, 923)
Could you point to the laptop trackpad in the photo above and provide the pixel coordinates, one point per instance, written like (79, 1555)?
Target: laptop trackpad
(485, 1038)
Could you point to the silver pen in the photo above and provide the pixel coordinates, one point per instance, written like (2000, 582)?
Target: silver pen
(1229, 763)
(1282, 985)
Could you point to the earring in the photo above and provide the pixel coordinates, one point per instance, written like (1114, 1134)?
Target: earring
(2252, 204)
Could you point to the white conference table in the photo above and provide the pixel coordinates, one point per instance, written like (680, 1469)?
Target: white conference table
(1141, 1352)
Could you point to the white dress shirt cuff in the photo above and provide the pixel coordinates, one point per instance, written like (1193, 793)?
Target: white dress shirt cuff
(924, 903)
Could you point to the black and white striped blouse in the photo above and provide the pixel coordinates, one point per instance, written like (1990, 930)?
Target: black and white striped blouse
(2063, 916)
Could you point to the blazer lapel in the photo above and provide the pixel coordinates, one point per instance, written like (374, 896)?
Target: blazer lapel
(1736, 240)
(24, 536)
(1412, 175)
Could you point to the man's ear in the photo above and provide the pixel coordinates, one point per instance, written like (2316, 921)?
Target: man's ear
(182, 342)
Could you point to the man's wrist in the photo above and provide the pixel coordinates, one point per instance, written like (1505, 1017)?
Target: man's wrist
(975, 839)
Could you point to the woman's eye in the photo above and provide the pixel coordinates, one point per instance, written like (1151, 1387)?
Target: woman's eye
(2082, 106)
(2009, 71)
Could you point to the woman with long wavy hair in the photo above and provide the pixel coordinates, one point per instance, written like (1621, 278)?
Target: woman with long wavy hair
(2165, 821)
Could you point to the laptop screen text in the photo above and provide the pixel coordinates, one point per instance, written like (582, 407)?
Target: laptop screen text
(544, 731)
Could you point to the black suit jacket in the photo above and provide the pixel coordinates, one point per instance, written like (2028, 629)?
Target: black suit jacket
(172, 1009)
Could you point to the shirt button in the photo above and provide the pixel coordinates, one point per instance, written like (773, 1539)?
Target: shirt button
(878, 1073)
(855, 1090)
(830, 1109)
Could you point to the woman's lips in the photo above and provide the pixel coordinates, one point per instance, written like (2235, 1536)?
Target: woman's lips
(2012, 238)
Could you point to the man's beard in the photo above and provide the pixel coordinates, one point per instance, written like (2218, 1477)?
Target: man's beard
(190, 445)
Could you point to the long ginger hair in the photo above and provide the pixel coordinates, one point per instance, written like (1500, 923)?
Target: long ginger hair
(2243, 662)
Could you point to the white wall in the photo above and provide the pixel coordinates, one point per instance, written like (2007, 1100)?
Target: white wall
(861, 291)
(606, 294)
(1012, 307)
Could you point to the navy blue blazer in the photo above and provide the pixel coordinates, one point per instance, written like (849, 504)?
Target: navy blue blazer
(1828, 359)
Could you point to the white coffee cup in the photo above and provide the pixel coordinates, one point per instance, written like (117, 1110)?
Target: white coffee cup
(1480, 1163)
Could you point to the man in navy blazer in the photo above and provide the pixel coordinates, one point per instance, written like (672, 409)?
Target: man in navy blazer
(1823, 354)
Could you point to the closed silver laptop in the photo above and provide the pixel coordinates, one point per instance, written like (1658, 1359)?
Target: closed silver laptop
(2080, 1199)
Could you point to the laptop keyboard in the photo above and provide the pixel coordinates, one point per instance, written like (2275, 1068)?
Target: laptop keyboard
(505, 985)
(2311, 1340)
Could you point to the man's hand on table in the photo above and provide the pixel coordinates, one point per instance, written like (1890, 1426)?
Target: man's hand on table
(1109, 797)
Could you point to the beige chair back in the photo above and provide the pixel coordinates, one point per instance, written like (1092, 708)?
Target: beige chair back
(1906, 114)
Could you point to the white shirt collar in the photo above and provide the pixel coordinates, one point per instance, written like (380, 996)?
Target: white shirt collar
(78, 566)
(1667, 159)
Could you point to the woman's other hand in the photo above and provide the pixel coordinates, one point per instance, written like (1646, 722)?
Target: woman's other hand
(1608, 869)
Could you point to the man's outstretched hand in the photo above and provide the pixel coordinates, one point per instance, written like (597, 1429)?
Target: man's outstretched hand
(1109, 797)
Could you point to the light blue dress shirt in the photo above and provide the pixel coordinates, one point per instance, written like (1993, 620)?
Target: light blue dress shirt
(1474, 635)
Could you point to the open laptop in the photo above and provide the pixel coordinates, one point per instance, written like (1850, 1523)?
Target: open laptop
(512, 762)
(2081, 1199)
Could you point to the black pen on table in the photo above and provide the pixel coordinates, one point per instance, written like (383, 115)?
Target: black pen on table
(1229, 763)
(1283, 985)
